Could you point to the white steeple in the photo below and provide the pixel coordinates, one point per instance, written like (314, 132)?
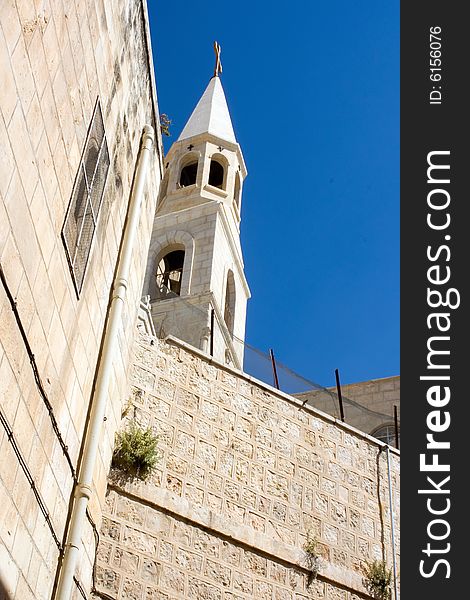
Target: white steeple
(195, 274)
(211, 115)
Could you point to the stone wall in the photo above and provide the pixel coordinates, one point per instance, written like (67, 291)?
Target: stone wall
(56, 58)
(368, 405)
(377, 394)
(246, 473)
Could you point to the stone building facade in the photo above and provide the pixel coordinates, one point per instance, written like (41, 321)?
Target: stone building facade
(62, 64)
(246, 475)
(368, 406)
(376, 396)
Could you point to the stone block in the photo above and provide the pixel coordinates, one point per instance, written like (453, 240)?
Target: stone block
(209, 545)
(200, 589)
(263, 590)
(218, 572)
(129, 511)
(126, 561)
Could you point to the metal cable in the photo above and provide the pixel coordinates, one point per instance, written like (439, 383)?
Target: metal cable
(80, 588)
(56, 429)
(29, 477)
(37, 377)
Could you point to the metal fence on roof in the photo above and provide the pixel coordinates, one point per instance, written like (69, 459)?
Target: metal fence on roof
(238, 353)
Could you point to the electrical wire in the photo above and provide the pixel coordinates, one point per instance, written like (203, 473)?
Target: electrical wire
(55, 427)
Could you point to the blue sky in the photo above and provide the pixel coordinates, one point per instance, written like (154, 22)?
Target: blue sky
(313, 91)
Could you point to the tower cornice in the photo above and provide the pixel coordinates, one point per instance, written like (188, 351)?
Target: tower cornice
(214, 139)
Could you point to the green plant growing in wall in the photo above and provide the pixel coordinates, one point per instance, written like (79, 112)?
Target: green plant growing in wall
(312, 558)
(136, 450)
(377, 579)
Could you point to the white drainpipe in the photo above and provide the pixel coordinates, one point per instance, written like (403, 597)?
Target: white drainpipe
(83, 489)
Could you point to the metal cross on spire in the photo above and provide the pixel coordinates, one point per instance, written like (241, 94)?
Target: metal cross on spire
(218, 64)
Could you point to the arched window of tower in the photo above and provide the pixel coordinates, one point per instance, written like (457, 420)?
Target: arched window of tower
(188, 174)
(229, 309)
(170, 273)
(216, 174)
(236, 194)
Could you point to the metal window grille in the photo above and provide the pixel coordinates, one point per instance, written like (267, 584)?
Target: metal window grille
(386, 434)
(87, 194)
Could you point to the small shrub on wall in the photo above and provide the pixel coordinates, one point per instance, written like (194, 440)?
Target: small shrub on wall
(136, 451)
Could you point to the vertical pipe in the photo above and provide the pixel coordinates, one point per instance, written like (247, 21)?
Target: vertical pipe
(212, 332)
(397, 433)
(392, 524)
(340, 397)
(273, 362)
(83, 489)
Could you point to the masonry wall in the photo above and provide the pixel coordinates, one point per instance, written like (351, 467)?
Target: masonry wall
(246, 473)
(194, 229)
(187, 317)
(377, 394)
(56, 58)
(368, 405)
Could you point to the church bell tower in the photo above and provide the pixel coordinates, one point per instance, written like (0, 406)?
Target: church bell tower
(195, 275)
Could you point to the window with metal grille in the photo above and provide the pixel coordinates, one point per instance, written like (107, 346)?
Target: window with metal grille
(386, 433)
(87, 194)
